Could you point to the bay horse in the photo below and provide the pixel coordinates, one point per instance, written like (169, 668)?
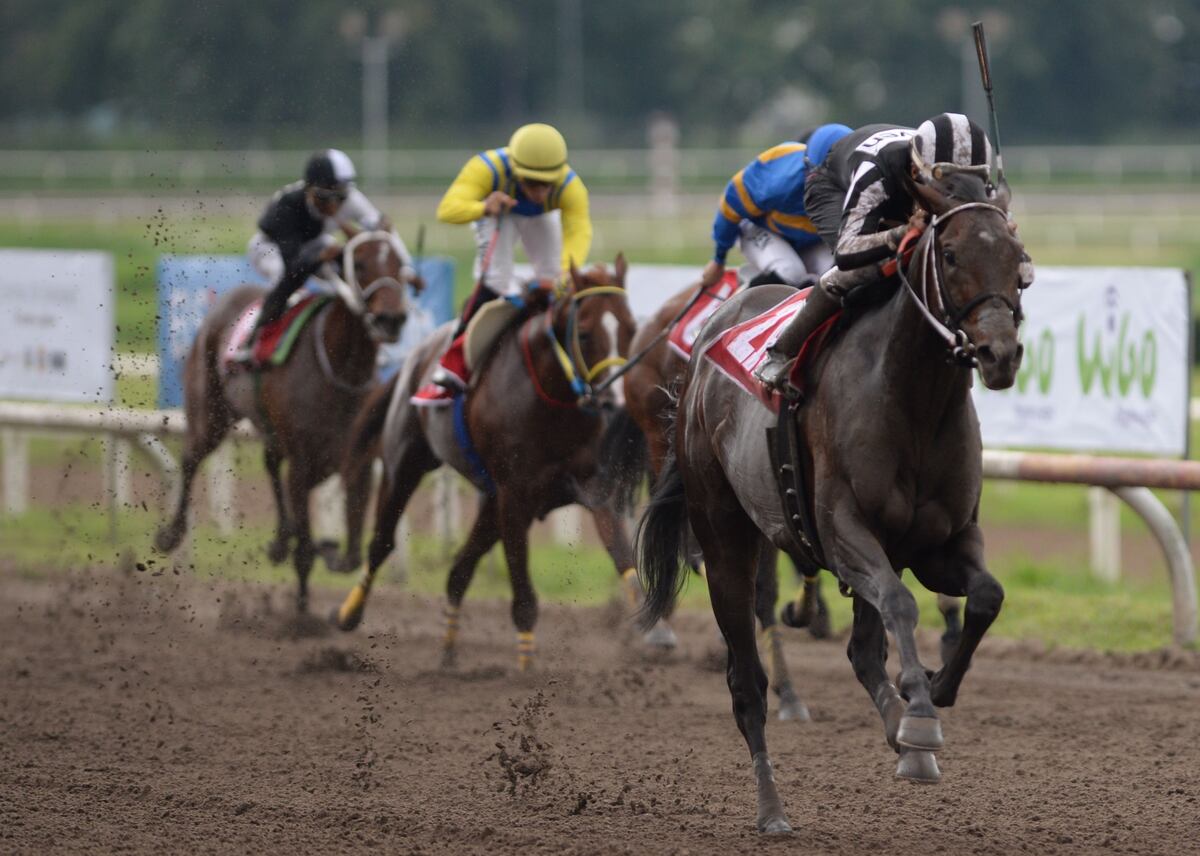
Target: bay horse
(304, 408)
(890, 445)
(648, 388)
(526, 435)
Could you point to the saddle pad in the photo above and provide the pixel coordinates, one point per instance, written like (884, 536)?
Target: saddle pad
(277, 339)
(743, 347)
(489, 322)
(683, 336)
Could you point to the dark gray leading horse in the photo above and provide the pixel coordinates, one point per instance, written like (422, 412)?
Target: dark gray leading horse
(891, 445)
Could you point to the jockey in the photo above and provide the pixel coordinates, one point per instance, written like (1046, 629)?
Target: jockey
(296, 231)
(763, 211)
(862, 200)
(508, 193)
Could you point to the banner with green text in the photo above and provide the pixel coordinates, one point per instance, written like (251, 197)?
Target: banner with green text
(1106, 365)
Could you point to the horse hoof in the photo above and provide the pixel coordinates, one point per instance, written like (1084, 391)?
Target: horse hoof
(918, 766)
(820, 627)
(167, 539)
(661, 636)
(774, 826)
(348, 616)
(793, 710)
(789, 617)
(277, 551)
(920, 732)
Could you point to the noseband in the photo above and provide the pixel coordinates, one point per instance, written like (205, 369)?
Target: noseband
(574, 365)
(946, 317)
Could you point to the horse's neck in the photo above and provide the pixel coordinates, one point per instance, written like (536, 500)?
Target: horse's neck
(914, 367)
(347, 342)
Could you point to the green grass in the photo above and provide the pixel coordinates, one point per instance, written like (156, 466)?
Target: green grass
(1062, 606)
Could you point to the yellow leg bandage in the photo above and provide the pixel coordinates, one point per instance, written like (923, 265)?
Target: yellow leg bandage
(353, 605)
(632, 586)
(450, 613)
(525, 650)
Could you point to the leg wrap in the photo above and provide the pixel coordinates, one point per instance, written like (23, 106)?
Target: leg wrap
(450, 613)
(632, 587)
(525, 650)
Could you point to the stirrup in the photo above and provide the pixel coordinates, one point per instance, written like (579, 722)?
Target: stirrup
(773, 372)
(447, 379)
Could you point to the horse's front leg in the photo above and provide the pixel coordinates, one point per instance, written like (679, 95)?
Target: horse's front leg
(515, 515)
(611, 529)
(958, 569)
(860, 561)
(277, 550)
(300, 482)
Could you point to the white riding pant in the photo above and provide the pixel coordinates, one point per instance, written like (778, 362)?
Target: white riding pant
(541, 236)
(766, 251)
(265, 258)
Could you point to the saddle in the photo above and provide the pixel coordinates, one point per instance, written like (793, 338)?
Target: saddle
(276, 340)
(492, 319)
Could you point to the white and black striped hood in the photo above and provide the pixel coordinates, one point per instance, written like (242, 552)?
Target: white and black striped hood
(951, 139)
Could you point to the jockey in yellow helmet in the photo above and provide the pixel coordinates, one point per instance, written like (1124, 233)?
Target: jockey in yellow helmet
(508, 194)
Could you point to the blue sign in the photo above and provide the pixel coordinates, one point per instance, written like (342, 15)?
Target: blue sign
(188, 286)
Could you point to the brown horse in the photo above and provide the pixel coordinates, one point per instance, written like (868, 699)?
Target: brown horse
(647, 387)
(890, 442)
(534, 438)
(304, 408)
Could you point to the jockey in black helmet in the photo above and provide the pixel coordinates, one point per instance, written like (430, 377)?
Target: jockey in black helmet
(296, 232)
(862, 202)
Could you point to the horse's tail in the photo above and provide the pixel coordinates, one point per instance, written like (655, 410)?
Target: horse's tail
(624, 458)
(662, 541)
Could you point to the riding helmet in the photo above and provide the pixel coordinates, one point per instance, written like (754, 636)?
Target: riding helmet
(948, 143)
(330, 169)
(539, 153)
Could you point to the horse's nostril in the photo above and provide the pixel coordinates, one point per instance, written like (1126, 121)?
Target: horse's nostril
(985, 354)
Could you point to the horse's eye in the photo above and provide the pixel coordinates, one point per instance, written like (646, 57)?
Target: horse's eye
(948, 255)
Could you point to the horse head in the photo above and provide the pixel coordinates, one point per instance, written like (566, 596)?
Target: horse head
(595, 319)
(371, 265)
(972, 267)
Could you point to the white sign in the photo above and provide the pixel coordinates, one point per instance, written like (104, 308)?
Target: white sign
(1105, 368)
(56, 325)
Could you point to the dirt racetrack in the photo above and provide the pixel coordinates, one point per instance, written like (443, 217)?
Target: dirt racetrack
(150, 714)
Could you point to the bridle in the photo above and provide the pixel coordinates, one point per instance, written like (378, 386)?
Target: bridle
(570, 356)
(357, 299)
(944, 316)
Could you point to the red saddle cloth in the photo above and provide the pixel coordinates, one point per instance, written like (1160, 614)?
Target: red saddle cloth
(683, 336)
(743, 347)
(275, 339)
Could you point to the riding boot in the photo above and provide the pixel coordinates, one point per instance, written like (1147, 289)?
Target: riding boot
(817, 309)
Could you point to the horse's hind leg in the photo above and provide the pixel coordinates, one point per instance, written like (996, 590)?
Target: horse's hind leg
(808, 609)
(766, 593)
(208, 420)
(950, 608)
(277, 550)
(731, 546)
(612, 533)
(394, 494)
(484, 534)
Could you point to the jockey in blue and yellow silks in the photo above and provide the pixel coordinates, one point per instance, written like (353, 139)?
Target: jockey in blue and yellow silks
(762, 210)
(510, 193)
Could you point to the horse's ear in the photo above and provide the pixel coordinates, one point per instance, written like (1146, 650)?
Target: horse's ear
(1003, 194)
(931, 199)
(622, 267)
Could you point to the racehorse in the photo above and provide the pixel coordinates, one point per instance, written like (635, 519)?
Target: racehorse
(889, 443)
(647, 388)
(304, 408)
(527, 435)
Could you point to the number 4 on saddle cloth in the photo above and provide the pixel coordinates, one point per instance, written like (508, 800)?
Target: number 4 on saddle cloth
(683, 335)
(742, 348)
(275, 340)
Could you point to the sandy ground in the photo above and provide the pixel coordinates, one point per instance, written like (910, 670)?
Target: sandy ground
(151, 714)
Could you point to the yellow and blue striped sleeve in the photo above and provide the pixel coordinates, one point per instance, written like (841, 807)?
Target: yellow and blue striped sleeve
(463, 202)
(571, 197)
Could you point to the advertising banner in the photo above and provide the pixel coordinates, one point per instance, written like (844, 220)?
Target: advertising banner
(1106, 365)
(57, 325)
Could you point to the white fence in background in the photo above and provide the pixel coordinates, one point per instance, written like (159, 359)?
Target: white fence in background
(125, 430)
(644, 168)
